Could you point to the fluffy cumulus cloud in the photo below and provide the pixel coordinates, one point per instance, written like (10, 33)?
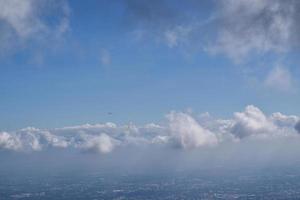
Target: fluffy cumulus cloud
(99, 143)
(188, 132)
(26, 20)
(252, 122)
(9, 141)
(282, 120)
(179, 130)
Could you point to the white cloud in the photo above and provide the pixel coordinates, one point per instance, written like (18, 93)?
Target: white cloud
(188, 132)
(9, 142)
(102, 143)
(179, 130)
(279, 79)
(251, 122)
(282, 120)
(254, 123)
(256, 27)
(19, 15)
(22, 21)
(237, 29)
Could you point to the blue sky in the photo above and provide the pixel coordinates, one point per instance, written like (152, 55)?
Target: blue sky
(138, 60)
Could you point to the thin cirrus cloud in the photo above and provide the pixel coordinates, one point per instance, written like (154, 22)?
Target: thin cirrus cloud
(162, 21)
(105, 57)
(280, 78)
(179, 130)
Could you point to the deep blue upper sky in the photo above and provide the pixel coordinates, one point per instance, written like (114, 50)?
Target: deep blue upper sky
(121, 61)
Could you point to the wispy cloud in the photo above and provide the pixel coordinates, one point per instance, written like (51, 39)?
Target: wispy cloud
(163, 22)
(280, 79)
(237, 29)
(105, 57)
(23, 21)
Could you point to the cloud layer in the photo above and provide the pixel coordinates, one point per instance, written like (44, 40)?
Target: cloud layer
(179, 130)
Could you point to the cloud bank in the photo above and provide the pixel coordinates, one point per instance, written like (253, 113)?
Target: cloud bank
(178, 130)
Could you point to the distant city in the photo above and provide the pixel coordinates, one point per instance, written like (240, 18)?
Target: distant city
(263, 184)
